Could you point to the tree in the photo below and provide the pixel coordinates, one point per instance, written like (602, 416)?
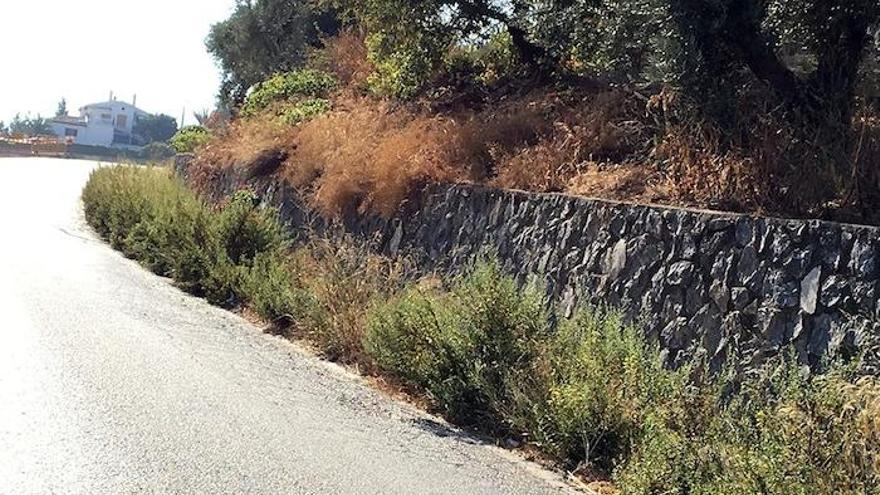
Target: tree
(724, 36)
(263, 37)
(3, 129)
(29, 126)
(408, 40)
(155, 128)
(62, 108)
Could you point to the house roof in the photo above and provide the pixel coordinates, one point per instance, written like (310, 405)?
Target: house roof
(68, 120)
(108, 105)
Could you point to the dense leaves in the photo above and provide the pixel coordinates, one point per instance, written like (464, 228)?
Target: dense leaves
(29, 126)
(263, 37)
(190, 138)
(285, 87)
(155, 128)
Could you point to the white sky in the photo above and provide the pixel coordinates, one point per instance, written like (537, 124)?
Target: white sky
(83, 49)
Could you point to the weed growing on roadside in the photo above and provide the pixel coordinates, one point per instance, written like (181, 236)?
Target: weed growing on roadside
(592, 394)
(152, 217)
(588, 391)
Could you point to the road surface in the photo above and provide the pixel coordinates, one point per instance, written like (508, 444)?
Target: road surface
(112, 381)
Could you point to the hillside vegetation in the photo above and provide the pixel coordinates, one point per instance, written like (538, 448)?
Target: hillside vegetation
(588, 393)
(745, 105)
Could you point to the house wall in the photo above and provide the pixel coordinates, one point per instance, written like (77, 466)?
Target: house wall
(702, 282)
(59, 130)
(114, 109)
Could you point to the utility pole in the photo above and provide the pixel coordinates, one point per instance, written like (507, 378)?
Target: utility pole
(183, 117)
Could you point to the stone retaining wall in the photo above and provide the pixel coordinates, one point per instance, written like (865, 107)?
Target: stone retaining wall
(706, 281)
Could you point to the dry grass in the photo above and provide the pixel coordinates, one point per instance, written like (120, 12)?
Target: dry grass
(345, 56)
(630, 182)
(602, 129)
(245, 140)
(341, 279)
(369, 155)
(772, 163)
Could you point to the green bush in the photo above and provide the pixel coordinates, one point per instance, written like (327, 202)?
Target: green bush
(597, 381)
(467, 349)
(414, 338)
(487, 354)
(303, 83)
(245, 230)
(154, 218)
(190, 138)
(268, 285)
(588, 391)
(157, 151)
(305, 110)
(781, 432)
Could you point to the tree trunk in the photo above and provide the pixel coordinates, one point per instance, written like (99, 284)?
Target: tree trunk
(534, 56)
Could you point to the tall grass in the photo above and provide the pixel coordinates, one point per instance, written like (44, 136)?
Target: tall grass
(589, 391)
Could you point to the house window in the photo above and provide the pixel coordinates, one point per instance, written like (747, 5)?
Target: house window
(106, 117)
(68, 132)
(121, 121)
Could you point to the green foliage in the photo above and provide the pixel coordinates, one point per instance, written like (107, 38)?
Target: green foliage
(245, 230)
(190, 138)
(62, 108)
(589, 391)
(30, 126)
(468, 350)
(155, 128)
(308, 85)
(414, 338)
(264, 37)
(157, 152)
(152, 217)
(403, 62)
(598, 382)
(268, 285)
(779, 433)
(305, 110)
(408, 42)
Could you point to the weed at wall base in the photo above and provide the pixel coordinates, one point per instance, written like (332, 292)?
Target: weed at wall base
(152, 217)
(589, 392)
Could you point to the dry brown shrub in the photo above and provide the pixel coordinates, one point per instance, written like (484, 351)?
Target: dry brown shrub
(622, 182)
(864, 190)
(602, 128)
(245, 140)
(775, 161)
(345, 55)
(699, 173)
(368, 156)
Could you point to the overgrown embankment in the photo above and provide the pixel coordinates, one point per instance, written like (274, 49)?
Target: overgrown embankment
(404, 96)
(588, 392)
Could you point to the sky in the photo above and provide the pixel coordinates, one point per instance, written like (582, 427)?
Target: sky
(82, 50)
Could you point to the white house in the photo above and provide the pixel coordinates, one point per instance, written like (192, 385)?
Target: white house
(100, 124)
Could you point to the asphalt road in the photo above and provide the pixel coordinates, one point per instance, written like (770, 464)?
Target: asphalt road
(112, 381)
